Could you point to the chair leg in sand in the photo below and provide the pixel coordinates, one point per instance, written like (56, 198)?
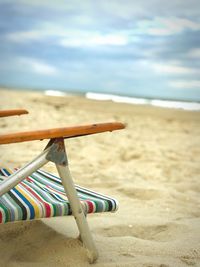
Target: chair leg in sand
(33, 190)
(68, 184)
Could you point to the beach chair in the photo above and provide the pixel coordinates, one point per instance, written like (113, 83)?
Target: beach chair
(31, 193)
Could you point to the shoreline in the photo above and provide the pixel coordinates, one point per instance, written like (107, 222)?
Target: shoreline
(162, 103)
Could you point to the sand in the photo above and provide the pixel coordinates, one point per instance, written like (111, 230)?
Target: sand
(152, 168)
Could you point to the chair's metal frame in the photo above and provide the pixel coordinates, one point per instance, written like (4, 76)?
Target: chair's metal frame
(55, 152)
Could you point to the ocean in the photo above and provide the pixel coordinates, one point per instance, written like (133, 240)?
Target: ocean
(192, 106)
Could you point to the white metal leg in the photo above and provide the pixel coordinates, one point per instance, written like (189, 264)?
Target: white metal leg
(55, 152)
(78, 212)
(22, 173)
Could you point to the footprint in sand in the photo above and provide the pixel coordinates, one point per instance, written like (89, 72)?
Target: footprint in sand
(162, 233)
(191, 257)
(128, 155)
(188, 260)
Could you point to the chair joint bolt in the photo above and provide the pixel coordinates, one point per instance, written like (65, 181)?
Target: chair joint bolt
(57, 152)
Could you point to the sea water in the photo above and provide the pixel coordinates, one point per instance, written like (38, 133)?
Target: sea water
(193, 106)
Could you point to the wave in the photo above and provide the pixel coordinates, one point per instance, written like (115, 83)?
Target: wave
(193, 106)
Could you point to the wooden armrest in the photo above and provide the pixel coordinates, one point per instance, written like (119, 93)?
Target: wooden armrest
(12, 112)
(67, 132)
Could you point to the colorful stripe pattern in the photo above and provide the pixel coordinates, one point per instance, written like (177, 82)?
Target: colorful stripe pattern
(42, 195)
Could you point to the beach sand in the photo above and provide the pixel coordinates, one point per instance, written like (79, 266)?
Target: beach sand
(152, 168)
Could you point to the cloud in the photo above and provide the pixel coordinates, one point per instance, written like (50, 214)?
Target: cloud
(69, 37)
(95, 39)
(117, 8)
(194, 53)
(139, 46)
(143, 8)
(25, 36)
(42, 31)
(187, 84)
(174, 69)
(37, 66)
(159, 26)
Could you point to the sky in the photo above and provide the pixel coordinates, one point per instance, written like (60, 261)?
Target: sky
(135, 48)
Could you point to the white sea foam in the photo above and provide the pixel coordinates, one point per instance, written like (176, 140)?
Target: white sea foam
(195, 106)
(54, 93)
(142, 101)
(176, 104)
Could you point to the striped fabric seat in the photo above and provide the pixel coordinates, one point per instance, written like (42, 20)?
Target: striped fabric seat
(42, 195)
